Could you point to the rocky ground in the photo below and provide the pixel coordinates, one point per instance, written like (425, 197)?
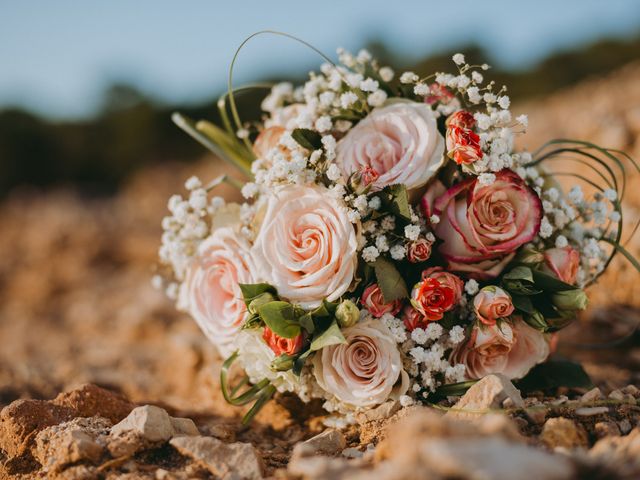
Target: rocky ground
(78, 315)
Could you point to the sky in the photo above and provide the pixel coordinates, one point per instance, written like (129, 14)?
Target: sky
(58, 56)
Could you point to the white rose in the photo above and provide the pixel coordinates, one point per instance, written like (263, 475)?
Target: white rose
(400, 142)
(306, 246)
(365, 371)
(211, 292)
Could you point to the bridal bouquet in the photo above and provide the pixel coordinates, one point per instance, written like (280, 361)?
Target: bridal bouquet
(392, 241)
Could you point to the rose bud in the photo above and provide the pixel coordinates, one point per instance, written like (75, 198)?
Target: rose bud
(419, 251)
(432, 299)
(461, 119)
(562, 263)
(280, 345)
(570, 300)
(438, 93)
(347, 314)
(463, 145)
(373, 300)
(413, 319)
(448, 279)
(260, 300)
(492, 303)
(283, 362)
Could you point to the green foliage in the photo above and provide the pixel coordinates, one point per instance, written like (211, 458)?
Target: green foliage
(553, 374)
(389, 280)
(281, 317)
(306, 138)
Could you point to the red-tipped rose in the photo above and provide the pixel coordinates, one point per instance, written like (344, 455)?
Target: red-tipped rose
(563, 263)
(419, 251)
(413, 319)
(281, 345)
(483, 225)
(432, 299)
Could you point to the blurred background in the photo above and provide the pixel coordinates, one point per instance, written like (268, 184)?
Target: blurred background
(89, 156)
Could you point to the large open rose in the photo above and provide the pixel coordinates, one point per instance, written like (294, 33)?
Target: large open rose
(482, 225)
(211, 293)
(509, 349)
(400, 142)
(306, 246)
(365, 371)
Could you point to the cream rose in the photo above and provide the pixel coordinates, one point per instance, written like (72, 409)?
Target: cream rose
(365, 371)
(306, 246)
(509, 349)
(211, 293)
(399, 141)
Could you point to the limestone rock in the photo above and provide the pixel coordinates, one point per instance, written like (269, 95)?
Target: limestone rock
(227, 460)
(592, 395)
(147, 426)
(488, 393)
(329, 442)
(562, 432)
(322, 467)
(71, 442)
(382, 412)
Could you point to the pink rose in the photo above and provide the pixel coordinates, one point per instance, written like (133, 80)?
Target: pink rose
(509, 349)
(482, 225)
(399, 141)
(373, 301)
(306, 245)
(267, 140)
(280, 345)
(413, 319)
(366, 370)
(211, 293)
(492, 303)
(448, 279)
(463, 145)
(419, 251)
(563, 263)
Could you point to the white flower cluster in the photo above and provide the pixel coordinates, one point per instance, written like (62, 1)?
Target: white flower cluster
(426, 353)
(188, 224)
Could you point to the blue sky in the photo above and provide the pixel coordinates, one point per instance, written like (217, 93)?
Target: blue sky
(57, 56)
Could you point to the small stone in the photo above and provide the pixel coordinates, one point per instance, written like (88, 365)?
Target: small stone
(383, 412)
(562, 432)
(537, 414)
(625, 426)
(329, 442)
(606, 429)
(487, 394)
(352, 453)
(149, 422)
(70, 442)
(592, 395)
(617, 395)
(560, 400)
(226, 460)
(632, 390)
(142, 428)
(183, 426)
(321, 467)
(590, 411)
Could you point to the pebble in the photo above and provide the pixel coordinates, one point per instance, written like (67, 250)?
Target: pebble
(329, 442)
(590, 411)
(592, 395)
(563, 432)
(489, 393)
(606, 429)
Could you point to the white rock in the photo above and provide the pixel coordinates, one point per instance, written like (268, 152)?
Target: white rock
(487, 394)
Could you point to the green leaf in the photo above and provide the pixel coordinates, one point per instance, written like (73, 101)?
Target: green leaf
(331, 336)
(522, 303)
(306, 138)
(452, 390)
(299, 362)
(281, 317)
(554, 374)
(549, 283)
(397, 201)
(252, 290)
(390, 281)
(520, 281)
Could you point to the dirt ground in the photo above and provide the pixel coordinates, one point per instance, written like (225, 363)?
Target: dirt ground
(76, 304)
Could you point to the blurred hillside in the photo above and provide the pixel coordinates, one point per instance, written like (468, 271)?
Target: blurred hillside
(133, 130)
